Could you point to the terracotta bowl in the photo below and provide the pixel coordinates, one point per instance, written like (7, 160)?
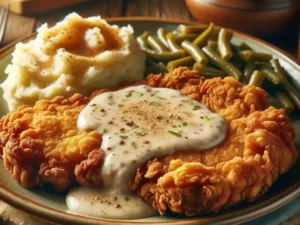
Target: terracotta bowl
(261, 17)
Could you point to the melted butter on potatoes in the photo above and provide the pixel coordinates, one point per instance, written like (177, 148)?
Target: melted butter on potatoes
(76, 55)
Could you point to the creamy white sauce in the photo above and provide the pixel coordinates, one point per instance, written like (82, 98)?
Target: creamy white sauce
(139, 123)
(108, 204)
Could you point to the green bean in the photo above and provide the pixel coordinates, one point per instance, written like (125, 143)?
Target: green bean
(224, 44)
(186, 61)
(257, 78)
(161, 34)
(277, 67)
(201, 40)
(285, 101)
(291, 91)
(156, 44)
(156, 69)
(173, 46)
(246, 55)
(191, 29)
(216, 60)
(274, 102)
(215, 34)
(244, 46)
(160, 56)
(195, 52)
(270, 75)
(181, 37)
(208, 71)
(142, 39)
(164, 56)
(212, 44)
(248, 70)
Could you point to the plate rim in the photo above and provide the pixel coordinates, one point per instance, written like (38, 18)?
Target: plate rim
(51, 214)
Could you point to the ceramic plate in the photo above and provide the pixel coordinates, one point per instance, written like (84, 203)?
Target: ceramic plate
(51, 206)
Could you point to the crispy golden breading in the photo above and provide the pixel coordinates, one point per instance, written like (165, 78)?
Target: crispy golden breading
(259, 147)
(41, 144)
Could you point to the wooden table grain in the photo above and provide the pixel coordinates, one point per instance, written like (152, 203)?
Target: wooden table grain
(21, 26)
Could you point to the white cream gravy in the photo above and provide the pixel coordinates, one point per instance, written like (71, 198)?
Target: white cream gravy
(139, 123)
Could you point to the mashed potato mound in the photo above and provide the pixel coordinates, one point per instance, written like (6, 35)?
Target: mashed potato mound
(76, 55)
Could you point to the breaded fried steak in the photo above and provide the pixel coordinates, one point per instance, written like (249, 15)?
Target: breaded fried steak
(42, 144)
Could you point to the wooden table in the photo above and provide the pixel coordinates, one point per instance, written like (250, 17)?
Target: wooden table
(20, 26)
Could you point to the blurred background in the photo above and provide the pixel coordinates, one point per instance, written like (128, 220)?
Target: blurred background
(276, 21)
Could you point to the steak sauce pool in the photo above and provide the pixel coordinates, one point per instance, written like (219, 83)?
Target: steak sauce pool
(139, 123)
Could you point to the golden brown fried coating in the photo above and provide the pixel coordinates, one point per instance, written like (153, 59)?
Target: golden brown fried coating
(41, 144)
(258, 148)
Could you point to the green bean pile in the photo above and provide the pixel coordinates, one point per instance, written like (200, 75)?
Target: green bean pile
(208, 50)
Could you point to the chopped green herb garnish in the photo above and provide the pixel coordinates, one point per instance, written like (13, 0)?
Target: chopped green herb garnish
(141, 94)
(174, 126)
(133, 144)
(155, 103)
(196, 107)
(185, 100)
(184, 124)
(160, 97)
(140, 134)
(123, 137)
(126, 198)
(129, 94)
(206, 118)
(174, 133)
(94, 107)
(104, 131)
(120, 105)
(103, 211)
(152, 94)
(115, 198)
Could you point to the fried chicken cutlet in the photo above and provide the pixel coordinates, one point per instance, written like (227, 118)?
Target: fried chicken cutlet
(42, 144)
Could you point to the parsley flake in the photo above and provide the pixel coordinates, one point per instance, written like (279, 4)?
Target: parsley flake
(174, 133)
(155, 103)
(134, 144)
(129, 94)
(104, 131)
(120, 105)
(196, 107)
(141, 134)
(103, 211)
(123, 137)
(207, 119)
(184, 124)
(160, 97)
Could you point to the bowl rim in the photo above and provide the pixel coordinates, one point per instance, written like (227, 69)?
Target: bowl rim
(273, 8)
(242, 215)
